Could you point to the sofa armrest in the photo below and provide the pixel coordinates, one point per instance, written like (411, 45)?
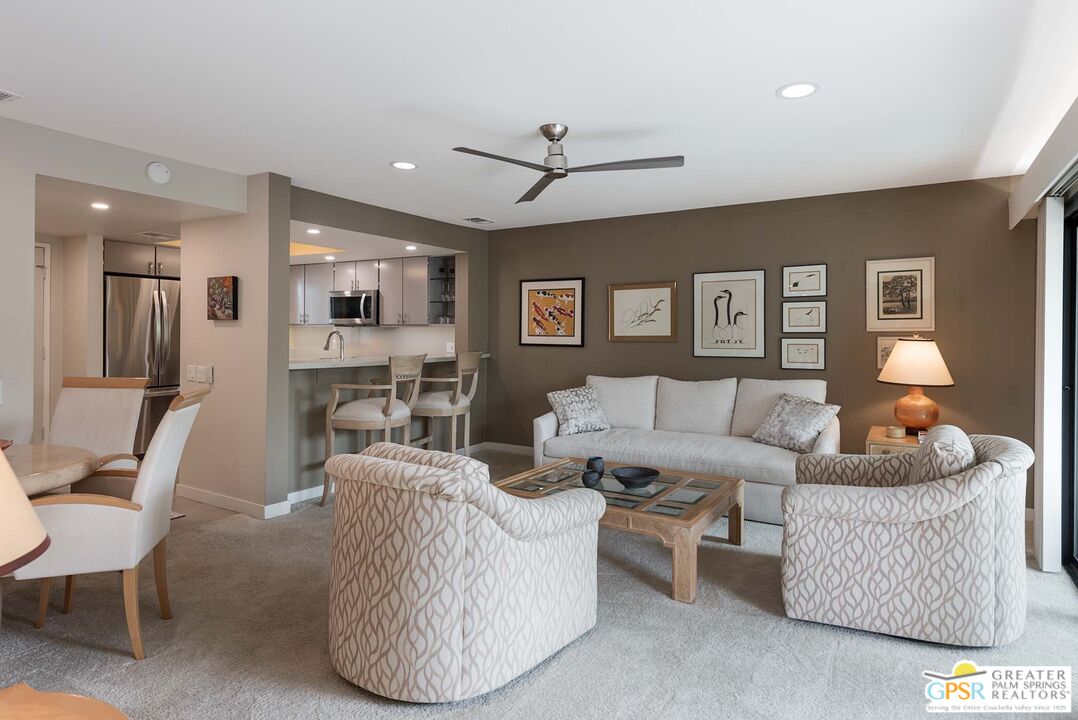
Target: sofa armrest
(905, 504)
(544, 427)
(854, 470)
(828, 442)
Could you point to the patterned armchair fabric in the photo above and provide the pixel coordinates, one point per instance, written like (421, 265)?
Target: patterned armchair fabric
(442, 586)
(942, 561)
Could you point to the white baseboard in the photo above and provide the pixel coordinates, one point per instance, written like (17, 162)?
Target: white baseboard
(208, 497)
(502, 447)
(308, 493)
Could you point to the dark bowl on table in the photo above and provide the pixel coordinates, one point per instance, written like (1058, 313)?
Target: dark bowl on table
(635, 478)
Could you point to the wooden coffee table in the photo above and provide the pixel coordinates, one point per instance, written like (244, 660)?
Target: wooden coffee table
(678, 508)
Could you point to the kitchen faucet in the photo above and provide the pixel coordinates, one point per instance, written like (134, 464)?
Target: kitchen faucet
(340, 343)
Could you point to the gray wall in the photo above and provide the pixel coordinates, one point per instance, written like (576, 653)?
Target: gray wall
(985, 283)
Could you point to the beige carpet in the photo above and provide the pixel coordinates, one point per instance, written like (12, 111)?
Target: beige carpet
(249, 639)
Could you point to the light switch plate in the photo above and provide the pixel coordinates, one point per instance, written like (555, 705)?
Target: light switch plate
(200, 373)
(209, 374)
(450, 347)
(191, 373)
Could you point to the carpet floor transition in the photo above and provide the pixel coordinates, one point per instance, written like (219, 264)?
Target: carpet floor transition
(249, 639)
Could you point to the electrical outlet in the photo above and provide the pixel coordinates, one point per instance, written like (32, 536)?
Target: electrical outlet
(450, 347)
(191, 373)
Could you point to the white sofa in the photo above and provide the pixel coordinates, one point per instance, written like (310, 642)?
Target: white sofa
(701, 427)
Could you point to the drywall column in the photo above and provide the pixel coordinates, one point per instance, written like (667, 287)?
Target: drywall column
(1048, 431)
(16, 317)
(83, 303)
(236, 457)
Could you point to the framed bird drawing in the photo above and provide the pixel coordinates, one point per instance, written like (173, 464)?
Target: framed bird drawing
(804, 280)
(728, 314)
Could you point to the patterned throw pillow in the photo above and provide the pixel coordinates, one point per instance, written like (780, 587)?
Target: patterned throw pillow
(945, 451)
(795, 423)
(578, 410)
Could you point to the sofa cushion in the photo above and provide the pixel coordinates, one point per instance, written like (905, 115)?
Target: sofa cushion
(682, 452)
(795, 423)
(701, 407)
(945, 451)
(628, 402)
(578, 410)
(755, 398)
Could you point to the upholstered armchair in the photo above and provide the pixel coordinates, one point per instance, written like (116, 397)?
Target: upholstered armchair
(867, 545)
(443, 587)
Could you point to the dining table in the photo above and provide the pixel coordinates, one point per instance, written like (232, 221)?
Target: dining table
(42, 467)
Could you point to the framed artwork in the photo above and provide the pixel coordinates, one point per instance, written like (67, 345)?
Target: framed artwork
(803, 354)
(800, 317)
(900, 294)
(643, 312)
(884, 346)
(804, 280)
(223, 298)
(552, 312)
(728, 314)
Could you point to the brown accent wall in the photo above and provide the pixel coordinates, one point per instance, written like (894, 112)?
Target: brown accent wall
(985, 283)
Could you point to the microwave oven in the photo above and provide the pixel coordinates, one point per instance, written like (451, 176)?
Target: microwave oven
(353, 307)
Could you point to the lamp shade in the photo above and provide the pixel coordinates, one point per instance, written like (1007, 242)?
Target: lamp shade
(22, 536)
(916, 361)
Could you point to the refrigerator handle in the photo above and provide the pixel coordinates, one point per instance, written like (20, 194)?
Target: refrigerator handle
(151, 337)
(164, 332)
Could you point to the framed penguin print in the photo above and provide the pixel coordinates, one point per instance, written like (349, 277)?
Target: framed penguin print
(728, 314)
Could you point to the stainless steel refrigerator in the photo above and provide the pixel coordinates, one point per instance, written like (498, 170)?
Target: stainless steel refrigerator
(142, 339)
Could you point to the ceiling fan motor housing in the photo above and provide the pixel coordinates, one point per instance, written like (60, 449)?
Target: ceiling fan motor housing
(555, 158)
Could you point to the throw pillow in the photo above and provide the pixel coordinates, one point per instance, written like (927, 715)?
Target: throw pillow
(578, 410)
(945, 451)
(795, 423)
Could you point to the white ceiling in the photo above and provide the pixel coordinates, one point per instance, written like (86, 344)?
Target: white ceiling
(354, 245)
(63, 209)
(330, 92)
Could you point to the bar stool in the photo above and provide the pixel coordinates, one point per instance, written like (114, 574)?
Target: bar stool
(451, 403)
(375, 412)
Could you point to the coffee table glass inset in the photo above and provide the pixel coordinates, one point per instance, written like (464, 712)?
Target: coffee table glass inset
(678, 508)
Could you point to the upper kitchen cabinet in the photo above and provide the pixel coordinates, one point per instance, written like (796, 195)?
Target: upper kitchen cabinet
(344, 276)
(317, 283)
(362, 275)
(295, 295)
(391, 287)
(168, 261)
(415, 291)
(130, 258)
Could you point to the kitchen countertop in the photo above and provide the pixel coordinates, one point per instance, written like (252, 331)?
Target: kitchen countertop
(362, 361)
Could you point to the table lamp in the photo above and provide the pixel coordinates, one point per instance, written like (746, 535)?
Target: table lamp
(22, 536)
(916, 362)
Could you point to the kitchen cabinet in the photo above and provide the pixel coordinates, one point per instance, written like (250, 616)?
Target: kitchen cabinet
(129, 258)
(344, 276)
(391, 289)
(317, 282)
(362, 275)
(415, 291)
(168, 261)
(295, 294)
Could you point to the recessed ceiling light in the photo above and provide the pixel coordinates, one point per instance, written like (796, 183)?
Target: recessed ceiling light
(331, 257)
(796, 90)
(99, 206)
(403, 165)
(313, 231)
(409, 247)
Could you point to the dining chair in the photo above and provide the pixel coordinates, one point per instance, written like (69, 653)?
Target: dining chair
(94, 533)
(375, 412)
(101, 415)
(450, 403)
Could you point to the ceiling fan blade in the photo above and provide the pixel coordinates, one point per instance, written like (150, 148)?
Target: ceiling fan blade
(537, 188)
(492, 156)
(641, 164)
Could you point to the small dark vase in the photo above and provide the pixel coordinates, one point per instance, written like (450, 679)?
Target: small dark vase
(597, 464)
(591, 478)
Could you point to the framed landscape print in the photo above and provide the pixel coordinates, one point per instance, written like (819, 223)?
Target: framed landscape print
(222, 297)
(804, 280)
(803, 354)
(900, 294)
(803, 317)
(728, 314)
(552, 312)
(884, 346)
(643, 312)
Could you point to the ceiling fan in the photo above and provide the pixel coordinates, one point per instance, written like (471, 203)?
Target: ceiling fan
(556, 166)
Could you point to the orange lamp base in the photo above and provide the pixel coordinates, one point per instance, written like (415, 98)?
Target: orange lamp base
(916, 411)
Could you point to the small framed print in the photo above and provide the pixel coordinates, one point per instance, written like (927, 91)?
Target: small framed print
(803, 354)
(884, 346)
(643, 312)
(728, 314)
(803, 317)
(900, 294)
(804, 280)
(552, 312)
(223, 298)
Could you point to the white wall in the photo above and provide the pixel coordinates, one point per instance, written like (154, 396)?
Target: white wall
(236, 458)
(26, 151)
(83, 305)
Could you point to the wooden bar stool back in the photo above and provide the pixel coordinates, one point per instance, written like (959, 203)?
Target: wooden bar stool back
(451, 403)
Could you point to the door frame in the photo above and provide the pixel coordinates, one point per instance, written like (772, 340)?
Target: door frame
(46, 340)
(1069, 476)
